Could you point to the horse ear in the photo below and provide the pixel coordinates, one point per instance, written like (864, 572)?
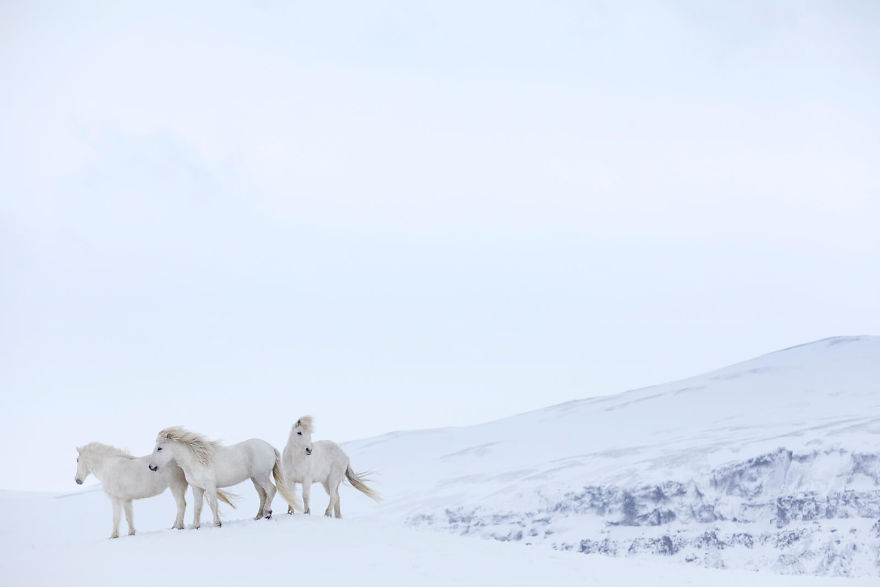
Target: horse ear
(298, 422)
(79, 449)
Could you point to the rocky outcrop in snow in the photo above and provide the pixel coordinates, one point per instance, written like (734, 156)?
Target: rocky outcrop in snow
(741, 510)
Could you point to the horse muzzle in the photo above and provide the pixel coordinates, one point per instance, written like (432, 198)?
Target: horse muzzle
(153, 467)
(78, 481)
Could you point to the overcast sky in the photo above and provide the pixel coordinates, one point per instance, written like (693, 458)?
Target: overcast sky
(397, 215)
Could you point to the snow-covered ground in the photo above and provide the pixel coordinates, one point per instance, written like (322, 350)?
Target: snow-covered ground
(770, 465)
(60, 540)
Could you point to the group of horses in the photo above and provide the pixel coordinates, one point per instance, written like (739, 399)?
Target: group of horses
(182, 458)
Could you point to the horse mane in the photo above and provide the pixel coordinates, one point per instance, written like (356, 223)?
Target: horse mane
(103, 450)
(306, 423)
(200, 447)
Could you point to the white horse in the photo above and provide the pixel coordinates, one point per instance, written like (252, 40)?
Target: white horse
(208, 465)
(323, 461)
(125, 478)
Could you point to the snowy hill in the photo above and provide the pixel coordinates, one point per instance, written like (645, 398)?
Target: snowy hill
(771, 464)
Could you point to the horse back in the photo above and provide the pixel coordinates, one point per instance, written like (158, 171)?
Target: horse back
(330, 456)
(249, 458)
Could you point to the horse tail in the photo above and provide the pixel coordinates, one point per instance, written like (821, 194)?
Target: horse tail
(226, 497)
(359, 482)
(284, 489)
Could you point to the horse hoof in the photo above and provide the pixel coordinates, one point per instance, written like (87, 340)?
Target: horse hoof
(112, 536)
(131, 533)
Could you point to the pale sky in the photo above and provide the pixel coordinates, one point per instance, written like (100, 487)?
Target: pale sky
(398, 215)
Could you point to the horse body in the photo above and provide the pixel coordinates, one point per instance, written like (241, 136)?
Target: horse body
(208, 466)
(324, 462)
(242, 461)
(125, 478)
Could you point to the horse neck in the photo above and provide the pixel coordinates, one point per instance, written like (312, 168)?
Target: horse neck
(185, 458)
(98, 464)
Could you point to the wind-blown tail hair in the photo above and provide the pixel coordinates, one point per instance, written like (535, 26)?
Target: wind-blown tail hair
(359, 482)
(284, 489)
(226, 497)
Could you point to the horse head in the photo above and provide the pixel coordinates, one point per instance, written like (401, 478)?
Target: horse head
(301, 433)
(82, 467)
(161, 454)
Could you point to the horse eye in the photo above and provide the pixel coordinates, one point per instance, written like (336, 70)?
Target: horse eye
(300, 433)
(159, 448)
(77, 459)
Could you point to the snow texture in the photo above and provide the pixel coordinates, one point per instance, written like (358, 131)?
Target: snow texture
(59, 540)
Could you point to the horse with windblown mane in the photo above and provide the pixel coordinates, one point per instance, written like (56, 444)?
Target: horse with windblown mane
(322, 462)
(208, 466)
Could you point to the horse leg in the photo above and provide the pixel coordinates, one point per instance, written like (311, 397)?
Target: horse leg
(269, 490)
(307, 489)
(290, 507)
(329, 509)
(179, 492)
(332, 487)
(117, 513)
(211, 494)
(262, 493)
(198, 494)
(129, 517)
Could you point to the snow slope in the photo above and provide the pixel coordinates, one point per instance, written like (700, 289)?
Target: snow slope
(770, 464)
(52, 540)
